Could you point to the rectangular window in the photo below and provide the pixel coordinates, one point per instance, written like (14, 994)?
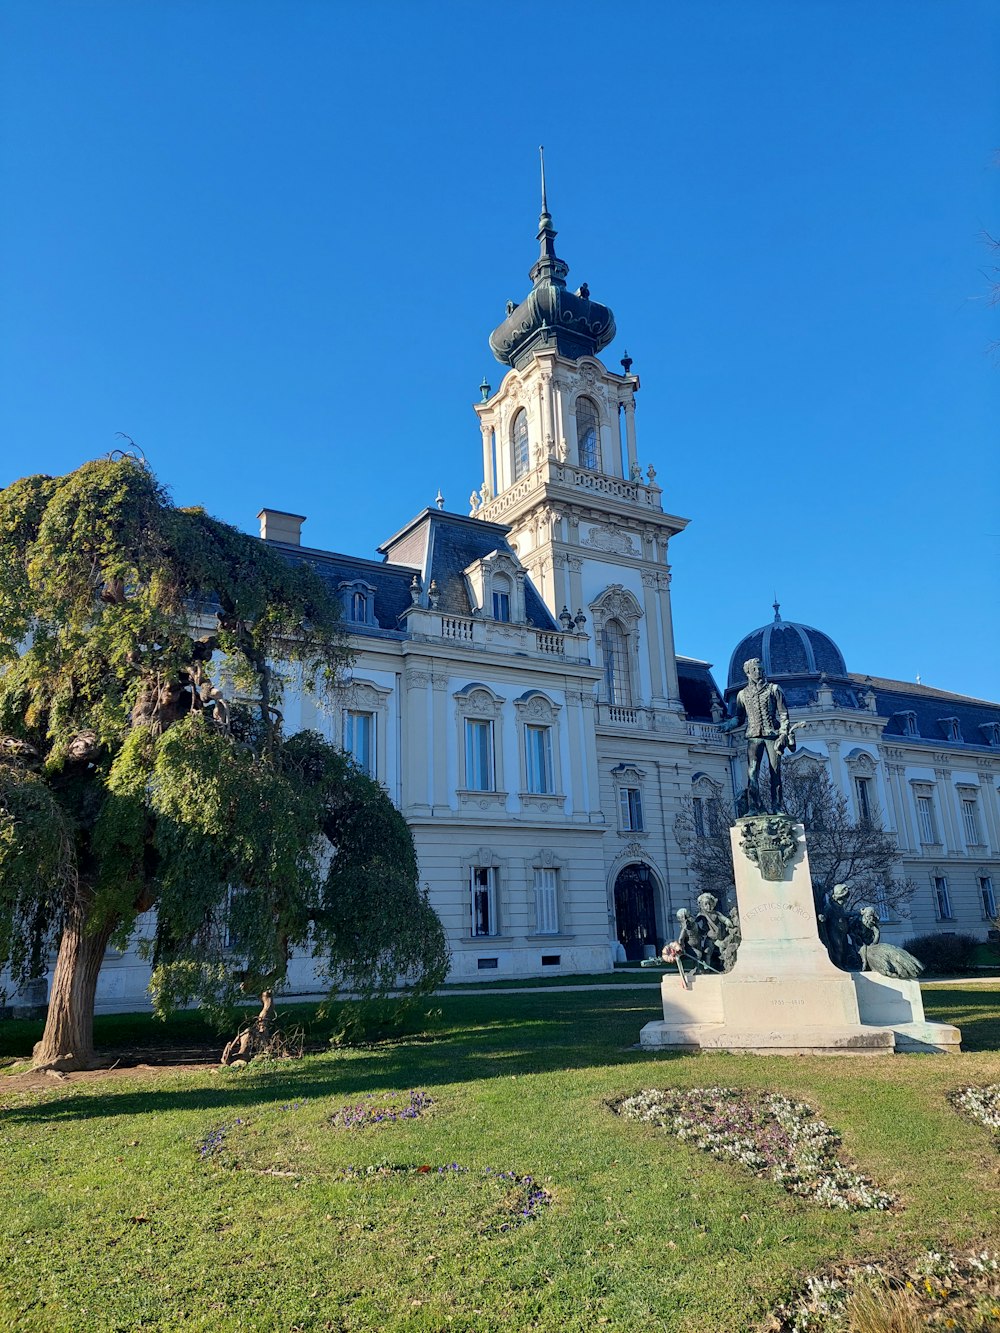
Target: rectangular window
(925, 816)
(988, 897)
(699, 816)
(538, 759)
(359, 740)
(970, 818)
(484, 908)
(862, 793)
(630, 802)
(479, 755)
(501, 606)
(942, 898)
(546, 902)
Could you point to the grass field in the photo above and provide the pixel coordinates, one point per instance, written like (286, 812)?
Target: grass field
(115, 1219)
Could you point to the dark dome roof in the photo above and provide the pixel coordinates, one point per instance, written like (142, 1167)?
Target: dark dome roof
(550, 315)
(787, 649)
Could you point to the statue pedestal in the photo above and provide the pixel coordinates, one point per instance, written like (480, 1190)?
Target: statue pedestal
(784, 996)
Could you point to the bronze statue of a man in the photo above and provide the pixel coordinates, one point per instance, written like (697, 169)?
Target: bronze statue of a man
(761, 706)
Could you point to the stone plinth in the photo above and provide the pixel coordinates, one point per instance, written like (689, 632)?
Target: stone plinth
(784, 996)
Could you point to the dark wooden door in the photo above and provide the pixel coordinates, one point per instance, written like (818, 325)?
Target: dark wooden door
(635, 912)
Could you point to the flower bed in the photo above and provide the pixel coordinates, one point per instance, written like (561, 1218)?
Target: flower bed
(775, 1137)
(982, 1104)
(937, 1291)
(368, 1112)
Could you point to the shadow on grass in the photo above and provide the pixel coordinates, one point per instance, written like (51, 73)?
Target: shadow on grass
(465, 1039)
(974, 1009)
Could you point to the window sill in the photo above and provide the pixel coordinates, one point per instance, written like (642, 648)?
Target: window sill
(537, 800)
(482, 941)
(484, 800)
(633, 833)
(560, 935)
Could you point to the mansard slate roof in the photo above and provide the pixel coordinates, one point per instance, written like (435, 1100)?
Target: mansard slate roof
(930, 707)
(391, 583)
(436, 546)
(698, 689)
(443, 545)
(786, 648)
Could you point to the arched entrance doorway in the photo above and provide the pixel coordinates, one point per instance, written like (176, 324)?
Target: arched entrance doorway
(635, 910)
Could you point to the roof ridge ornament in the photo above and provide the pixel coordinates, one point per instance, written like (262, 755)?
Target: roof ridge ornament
(777, 609)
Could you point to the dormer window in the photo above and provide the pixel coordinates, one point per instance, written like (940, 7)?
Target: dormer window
(501, 597)
(520, 442)
(950, 728)
(991, 732)
(495, 585)
(358, 601)
(909, 724)
(587, 435)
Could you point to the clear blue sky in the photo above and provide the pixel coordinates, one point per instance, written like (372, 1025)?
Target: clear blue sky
(269, 242)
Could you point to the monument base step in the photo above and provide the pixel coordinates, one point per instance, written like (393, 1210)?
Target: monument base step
(850, 1040)
(932, 1038)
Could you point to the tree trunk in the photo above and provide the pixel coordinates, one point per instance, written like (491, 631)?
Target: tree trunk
(255, 1037)
(68, 1040)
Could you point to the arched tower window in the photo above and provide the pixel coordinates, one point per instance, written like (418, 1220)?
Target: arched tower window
(520, 439)
(587, 435)
(617, 676)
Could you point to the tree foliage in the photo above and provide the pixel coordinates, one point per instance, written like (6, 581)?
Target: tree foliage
(842, 850)
(128, 781)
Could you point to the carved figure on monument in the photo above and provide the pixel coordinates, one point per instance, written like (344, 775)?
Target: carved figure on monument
(690, 939)
(730, 945)
(761, 707)
(837, 923)
(715, 928)
(885, 959)
(769, 842)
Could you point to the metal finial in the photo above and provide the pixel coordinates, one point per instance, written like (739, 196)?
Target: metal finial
(541, 156)
(485, 389)
(626, 362)
(439, 499)
(777, 611)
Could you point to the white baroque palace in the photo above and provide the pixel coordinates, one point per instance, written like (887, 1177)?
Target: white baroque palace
(516, 688)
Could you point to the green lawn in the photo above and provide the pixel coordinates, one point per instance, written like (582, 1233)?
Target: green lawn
(113, 1220)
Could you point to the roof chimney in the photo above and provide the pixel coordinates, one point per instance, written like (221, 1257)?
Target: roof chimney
(277, 526)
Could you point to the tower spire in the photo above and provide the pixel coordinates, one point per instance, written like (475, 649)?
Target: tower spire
(548, 268)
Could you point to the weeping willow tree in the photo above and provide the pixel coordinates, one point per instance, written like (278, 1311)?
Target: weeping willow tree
(129, 780)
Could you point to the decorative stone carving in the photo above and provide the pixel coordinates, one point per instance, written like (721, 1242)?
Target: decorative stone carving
(769, 842)
(611, 539)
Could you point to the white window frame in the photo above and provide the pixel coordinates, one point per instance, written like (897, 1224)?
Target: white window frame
(630, 812)
(942, 898)
(350, 718)
(478, 703)
(546, 885)
(364, 696)
(595, 464)
(475, 779)
(863, 798)
(927, 824)
(483, 881)
(520, 463)
(987, 896)
(539, 772)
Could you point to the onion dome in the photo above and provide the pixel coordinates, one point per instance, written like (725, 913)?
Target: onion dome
(551, 315)
(787, 649)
